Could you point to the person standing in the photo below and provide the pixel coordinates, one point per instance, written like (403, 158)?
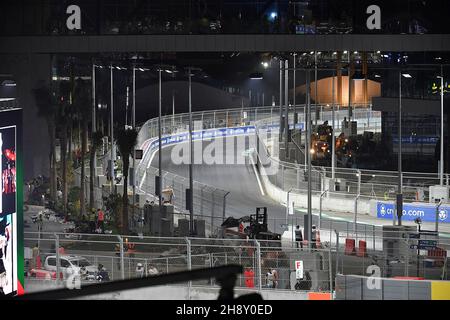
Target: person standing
(139, 270)
(100, 220)
(249, 275)
(272, 278)
(92, 221)
(298, 237)
(314, 237)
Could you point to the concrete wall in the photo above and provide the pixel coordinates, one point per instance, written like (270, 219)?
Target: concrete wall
(170, 292)
(356, 288)
(332, 202)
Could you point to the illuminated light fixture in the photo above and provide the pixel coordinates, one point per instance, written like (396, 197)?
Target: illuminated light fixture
(319, 52)
(438, 58)
(265, 64)
(8, 83)
(378, 51)
(406, 75)
(304, 54)
(312, 52)
(377, 76)
(273, 15)
(334, 53)
(256, 76)
(345, 52)
(312, 151)
(356, 52)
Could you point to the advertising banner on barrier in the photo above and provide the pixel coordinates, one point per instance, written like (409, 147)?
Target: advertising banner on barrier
(199, 135)
(411, 211)
(207, 134)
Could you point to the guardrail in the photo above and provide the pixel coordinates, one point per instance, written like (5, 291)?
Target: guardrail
(163, 255)
(375, 183)
(367, 184)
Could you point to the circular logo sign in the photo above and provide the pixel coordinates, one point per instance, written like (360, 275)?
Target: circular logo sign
(443, 214)
(383, 210)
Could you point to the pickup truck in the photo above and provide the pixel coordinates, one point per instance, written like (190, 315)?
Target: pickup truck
(69, 264)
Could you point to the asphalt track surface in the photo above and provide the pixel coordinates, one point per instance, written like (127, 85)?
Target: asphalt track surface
(237, 178)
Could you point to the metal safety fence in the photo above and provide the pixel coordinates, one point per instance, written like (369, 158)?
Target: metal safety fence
(268, 265)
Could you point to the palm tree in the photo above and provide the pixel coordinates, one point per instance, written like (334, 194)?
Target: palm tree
(63, 121)
(96, 142)
(82, 103)
(126, 141)
(47, 106)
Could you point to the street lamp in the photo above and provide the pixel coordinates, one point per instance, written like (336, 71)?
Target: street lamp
(399, 206)
(280, 135)
(94, 124)
(441, 160)
(111, 129)
(113, 151)
(133, 124)
(191, 155)
(308, 123)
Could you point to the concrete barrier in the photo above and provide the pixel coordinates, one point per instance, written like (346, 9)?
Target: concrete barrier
(352, 287)
(169, 292)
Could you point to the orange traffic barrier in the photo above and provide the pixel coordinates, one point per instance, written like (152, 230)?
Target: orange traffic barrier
(349, 246)
(319, 296)
(362, 249)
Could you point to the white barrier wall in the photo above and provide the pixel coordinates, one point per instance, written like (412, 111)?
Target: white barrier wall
(170, 292)
(329, 203)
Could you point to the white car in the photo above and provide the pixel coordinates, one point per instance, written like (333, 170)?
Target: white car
(71, 265)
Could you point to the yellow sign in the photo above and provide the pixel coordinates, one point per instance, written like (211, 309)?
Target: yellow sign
(440, 290)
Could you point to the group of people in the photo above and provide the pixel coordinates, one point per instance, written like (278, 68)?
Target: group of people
(299, 237)
(96, 220)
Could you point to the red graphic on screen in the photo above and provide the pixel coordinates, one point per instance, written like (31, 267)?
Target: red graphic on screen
(9, 173)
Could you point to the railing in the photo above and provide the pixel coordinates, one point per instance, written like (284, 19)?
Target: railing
(375, 184)
(368, 184)
(159, 256)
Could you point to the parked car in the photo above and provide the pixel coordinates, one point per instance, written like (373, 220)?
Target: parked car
(71, 264)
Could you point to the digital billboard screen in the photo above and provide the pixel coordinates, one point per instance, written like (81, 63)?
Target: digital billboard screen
(11, 247)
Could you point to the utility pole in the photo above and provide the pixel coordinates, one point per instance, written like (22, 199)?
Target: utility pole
(280, 136)
(111, 127)
(399, 191)
(94, 124)
(441, 176)
(191, 153)
(293, 94)
(159, 144)
(286, 115)
(333, 140)
(308, 152)
(133, 123)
